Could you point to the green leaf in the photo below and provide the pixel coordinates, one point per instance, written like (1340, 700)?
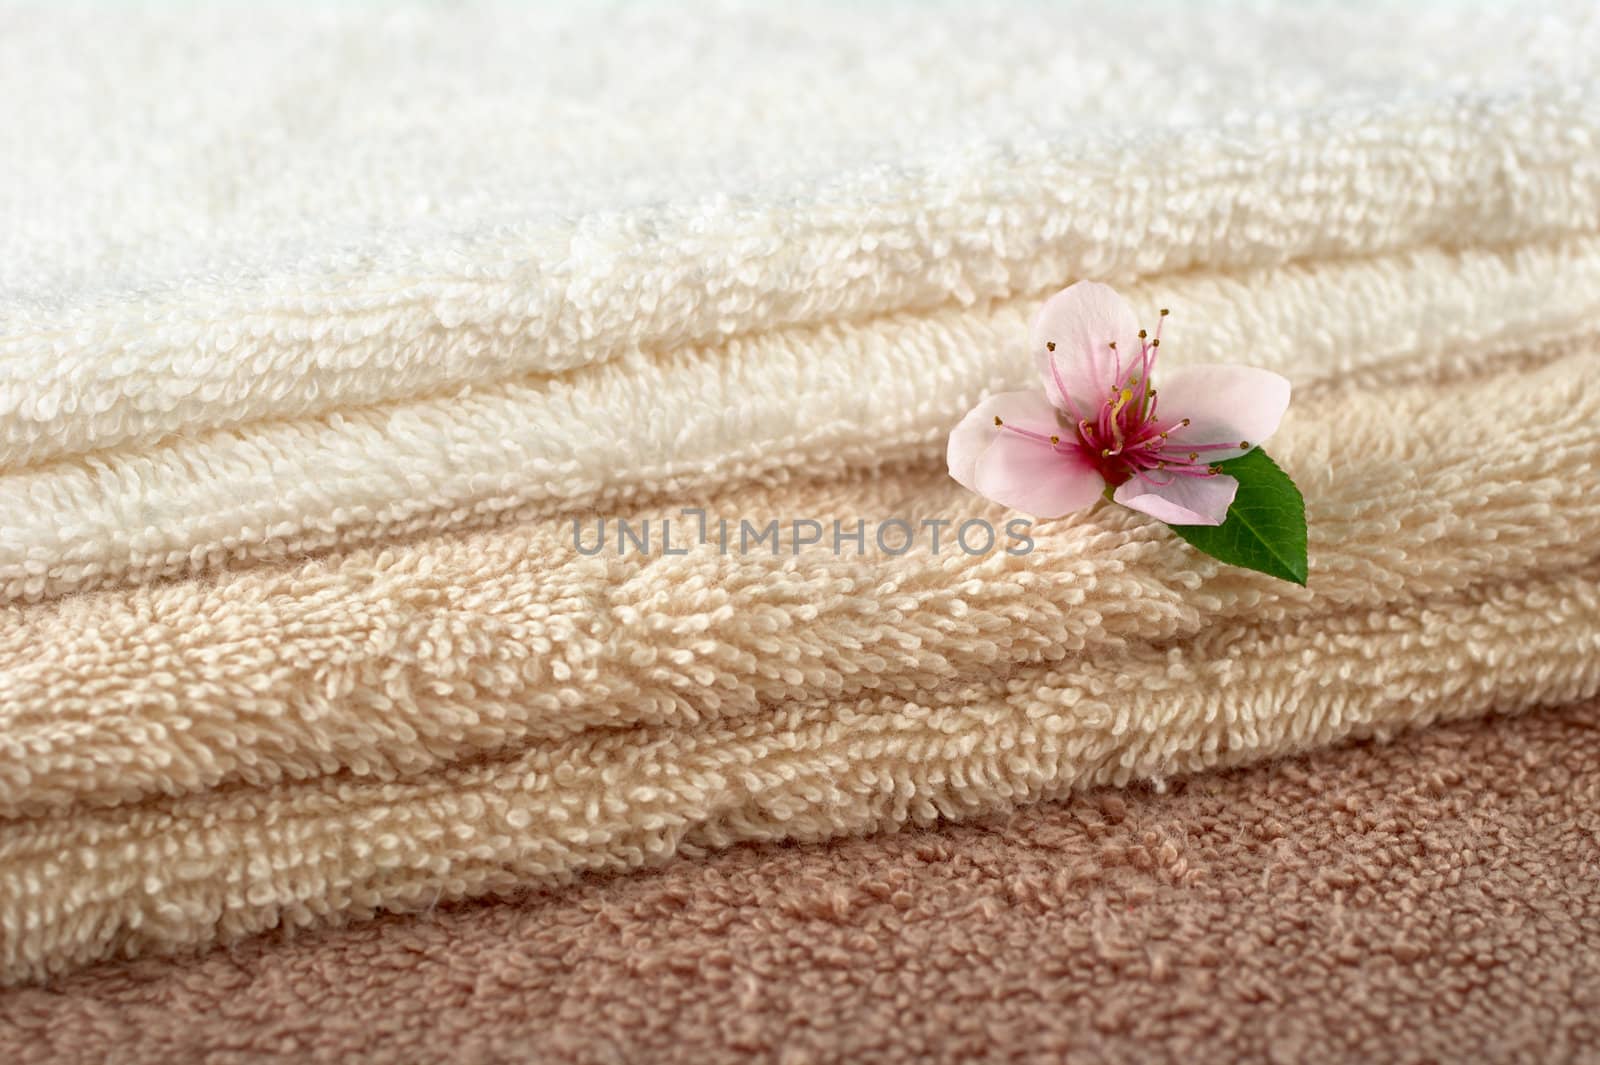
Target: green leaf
(1265, 529)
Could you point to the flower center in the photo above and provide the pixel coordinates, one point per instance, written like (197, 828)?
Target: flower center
(1126, 438)
(1122, 436)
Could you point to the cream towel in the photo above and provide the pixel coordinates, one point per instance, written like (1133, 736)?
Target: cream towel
(349, 288)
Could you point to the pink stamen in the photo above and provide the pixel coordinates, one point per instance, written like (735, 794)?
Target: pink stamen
(1117, 376)
(1061, 386)
(1186, 446)
(1029, 434)
(1176, 472)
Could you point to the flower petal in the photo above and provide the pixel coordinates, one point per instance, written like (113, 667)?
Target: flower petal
(1015, 471)
(1082, 321)
(1186, 501)
(1224, 404)
(973, 435)
(1035, 478)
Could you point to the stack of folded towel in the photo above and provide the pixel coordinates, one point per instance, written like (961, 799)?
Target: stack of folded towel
(331, 340)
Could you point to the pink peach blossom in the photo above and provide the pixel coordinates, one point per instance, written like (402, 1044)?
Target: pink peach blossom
(1100, 421)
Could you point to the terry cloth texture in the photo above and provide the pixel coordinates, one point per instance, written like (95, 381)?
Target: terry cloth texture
(420, 267)
(305, 386)
(206, 759)
(1430, 900)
